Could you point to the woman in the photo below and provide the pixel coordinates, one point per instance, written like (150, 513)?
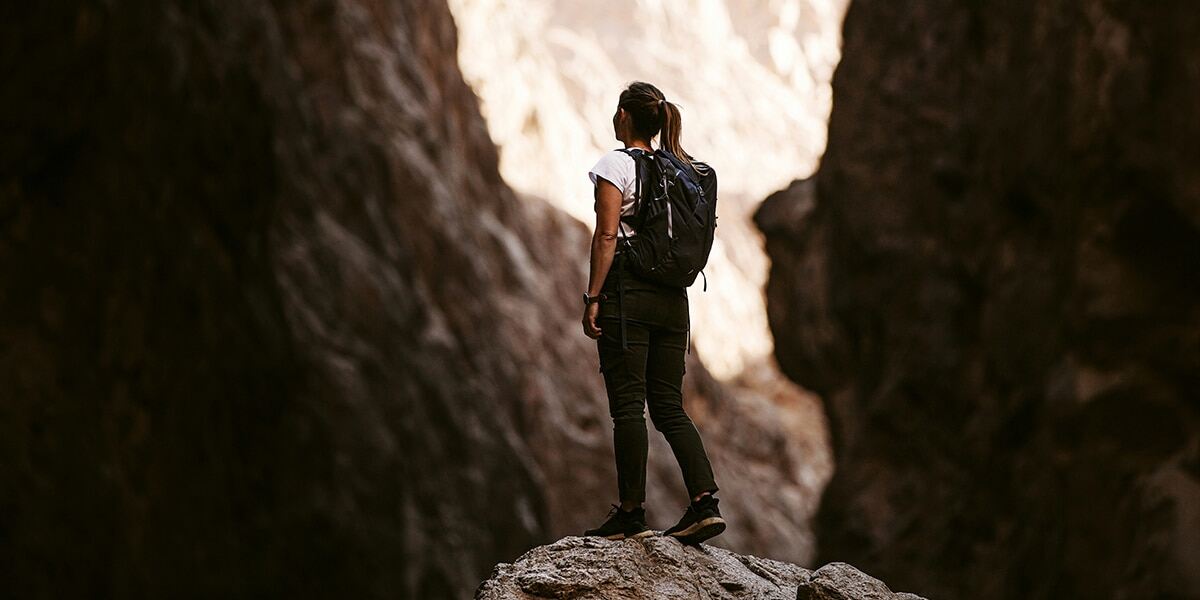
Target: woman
(650, 368)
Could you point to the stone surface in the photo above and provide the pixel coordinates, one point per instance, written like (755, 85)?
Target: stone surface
(992, 282)
(269, 326)
(660, 568)
(840, 581)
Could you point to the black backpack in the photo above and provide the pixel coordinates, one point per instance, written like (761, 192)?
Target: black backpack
(670, 192)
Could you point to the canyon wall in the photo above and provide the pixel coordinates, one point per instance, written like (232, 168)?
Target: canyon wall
(273, 324)
(234, 361)
(993, 281)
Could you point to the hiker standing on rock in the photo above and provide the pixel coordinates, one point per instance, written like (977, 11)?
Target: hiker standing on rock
(655, 216)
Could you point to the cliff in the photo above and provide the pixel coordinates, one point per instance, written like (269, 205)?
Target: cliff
(659, 568)
(262, 282)
(273, 324)
(992, 281)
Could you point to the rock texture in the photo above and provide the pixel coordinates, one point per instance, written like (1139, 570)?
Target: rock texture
(269, 323)
(273, 324)
(994, 284)
(660, 568)
(548, 73)
(840, 581)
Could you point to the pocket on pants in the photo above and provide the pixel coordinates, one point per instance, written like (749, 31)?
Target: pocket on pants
(638, 304)
(608, 307)
(608, 345)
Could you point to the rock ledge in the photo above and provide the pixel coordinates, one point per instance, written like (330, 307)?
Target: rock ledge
(661, 568)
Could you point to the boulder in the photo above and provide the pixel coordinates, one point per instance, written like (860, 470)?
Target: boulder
(661, 568)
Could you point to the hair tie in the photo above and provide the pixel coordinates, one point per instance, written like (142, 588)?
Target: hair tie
(662, 101)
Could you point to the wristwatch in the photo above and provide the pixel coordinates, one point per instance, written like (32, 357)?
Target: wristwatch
(588, 299)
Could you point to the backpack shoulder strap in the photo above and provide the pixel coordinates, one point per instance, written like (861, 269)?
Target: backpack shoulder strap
(637, 195)
(639, 157)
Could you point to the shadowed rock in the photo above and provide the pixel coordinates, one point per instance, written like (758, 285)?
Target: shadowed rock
(994, 283)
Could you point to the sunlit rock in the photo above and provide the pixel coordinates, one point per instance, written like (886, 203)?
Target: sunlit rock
(752, 80)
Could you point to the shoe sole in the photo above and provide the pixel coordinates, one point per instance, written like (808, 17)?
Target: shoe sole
(700, 530)
(621, 536)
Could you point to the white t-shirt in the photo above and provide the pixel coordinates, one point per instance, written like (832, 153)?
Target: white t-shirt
(619, 169)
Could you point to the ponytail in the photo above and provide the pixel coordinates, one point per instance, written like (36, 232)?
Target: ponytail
(654, 115)
(672, 127)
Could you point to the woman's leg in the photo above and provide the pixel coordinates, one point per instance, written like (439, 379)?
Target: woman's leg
(664, 380)
(625, 380)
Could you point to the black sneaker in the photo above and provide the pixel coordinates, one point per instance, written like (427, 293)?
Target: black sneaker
(700, 521)
(621, 525)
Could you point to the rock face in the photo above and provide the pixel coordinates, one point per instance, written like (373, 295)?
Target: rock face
(660, 568)
(273, 324)
(270, 326)
(548, 73)
(994, 284)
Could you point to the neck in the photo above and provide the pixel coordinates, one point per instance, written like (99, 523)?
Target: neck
(639, 144)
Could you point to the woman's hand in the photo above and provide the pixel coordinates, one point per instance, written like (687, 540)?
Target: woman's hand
(604, 243)
(589, 320)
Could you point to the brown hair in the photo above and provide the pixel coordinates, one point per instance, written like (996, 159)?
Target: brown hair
(653, 114)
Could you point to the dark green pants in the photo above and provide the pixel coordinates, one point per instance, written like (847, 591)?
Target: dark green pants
(649, 372)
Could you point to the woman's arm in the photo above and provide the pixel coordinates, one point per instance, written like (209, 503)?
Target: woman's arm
(604, 240)
(604, 244)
